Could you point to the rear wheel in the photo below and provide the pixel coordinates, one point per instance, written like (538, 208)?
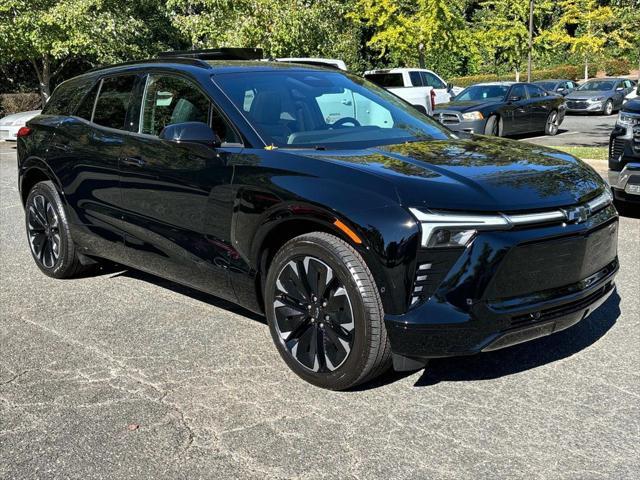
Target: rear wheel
(493, 126)
(48, 233)
(553, 125)
(325, 313)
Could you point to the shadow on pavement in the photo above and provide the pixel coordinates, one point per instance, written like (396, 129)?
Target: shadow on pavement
(628, 210)
(189, 292)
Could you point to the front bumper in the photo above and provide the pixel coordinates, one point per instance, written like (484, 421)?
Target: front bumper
(470, 313)
(454, 121)
(582, 106)
(624, 163)
(9, 133)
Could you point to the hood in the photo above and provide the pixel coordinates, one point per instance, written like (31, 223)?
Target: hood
(21, 117)
(632, 106)
(477, 174)
(588, 94)
(466, 106)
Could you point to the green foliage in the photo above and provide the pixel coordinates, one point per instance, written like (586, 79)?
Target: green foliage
(615, 67)
(568, 72)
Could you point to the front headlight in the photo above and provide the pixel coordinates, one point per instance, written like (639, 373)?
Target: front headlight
(471, 116)
(627, 120)
(442, 230)
(595, 100)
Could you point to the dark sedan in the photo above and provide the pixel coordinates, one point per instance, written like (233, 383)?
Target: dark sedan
(605, 96)
(560, 87)
(503, 108)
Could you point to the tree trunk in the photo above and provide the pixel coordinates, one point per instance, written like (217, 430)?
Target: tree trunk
(586, 68)
(517, 75)
(44, 77)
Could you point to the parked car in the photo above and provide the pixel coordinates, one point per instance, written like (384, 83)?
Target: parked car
(11, 124)
(503, 108)
(377, 238)
(560, 87)
(624, 154)
(416, 86)
(320, 62)
(635, 92)
(602, 95)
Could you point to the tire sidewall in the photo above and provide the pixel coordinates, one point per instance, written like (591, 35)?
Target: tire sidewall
(66, 256)
(608, 108)
(347, 373)
(547, 127)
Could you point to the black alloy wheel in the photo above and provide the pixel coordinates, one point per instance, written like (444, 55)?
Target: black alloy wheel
(325, 313)
(48, 233)
(314, 318)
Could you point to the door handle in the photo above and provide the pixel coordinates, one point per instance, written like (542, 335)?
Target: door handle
(63, 147)
(133, 161)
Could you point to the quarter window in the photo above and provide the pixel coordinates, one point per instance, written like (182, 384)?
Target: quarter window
(169, 100)
(113, 101)
(85, 110)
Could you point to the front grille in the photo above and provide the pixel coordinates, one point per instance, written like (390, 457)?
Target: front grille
(536, 267)
(577, 104)
(446, 118)
(433, 266)
(636, 138)
(616, 149)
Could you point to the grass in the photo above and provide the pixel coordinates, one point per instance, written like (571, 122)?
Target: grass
(586, 153)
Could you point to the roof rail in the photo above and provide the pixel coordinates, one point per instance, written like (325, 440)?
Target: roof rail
(187, 61)
(216, 54)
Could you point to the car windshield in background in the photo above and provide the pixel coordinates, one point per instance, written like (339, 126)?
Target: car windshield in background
(598, 86)
(324, 109)
(386, 80)
(483, 92)
(549, 86)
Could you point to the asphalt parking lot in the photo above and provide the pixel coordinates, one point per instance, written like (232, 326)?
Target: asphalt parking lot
(123, 375)
(579, 131)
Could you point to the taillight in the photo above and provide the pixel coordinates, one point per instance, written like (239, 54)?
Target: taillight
(433, 100)
(23, 132)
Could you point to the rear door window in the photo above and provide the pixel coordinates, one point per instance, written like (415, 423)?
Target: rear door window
(416, 79)
(113, 101)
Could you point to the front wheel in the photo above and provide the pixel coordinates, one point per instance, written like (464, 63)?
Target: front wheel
(553, 125)
(493, 126)
(608, 108)
(325, 313)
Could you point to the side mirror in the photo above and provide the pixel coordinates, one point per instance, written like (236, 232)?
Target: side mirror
(190, 132)
(449, 86)
(562, 90)
(514, 99)
(620, 89)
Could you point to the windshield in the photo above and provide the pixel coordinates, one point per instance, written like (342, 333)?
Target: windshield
(549, 86)
(597, 86)
(324, 109)
(483, 92)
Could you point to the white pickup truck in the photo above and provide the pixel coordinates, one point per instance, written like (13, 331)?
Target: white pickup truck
(420, 87)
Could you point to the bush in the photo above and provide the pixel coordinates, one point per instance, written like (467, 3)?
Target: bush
(615, 67)
(19, 102)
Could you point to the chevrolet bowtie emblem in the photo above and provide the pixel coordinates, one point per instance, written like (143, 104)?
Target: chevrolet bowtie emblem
(577, 214)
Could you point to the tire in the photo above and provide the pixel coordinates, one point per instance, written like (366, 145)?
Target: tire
(48, 233)
(494, 126)
(551, 127)
(608, 108)
(338, 341)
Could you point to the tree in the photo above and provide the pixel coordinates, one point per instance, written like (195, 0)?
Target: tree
(50, 33)
(282, 28)
(626, 32)
(400, 27)
(582, 26)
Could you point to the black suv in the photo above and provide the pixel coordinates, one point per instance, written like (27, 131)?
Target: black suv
(367, 233)
(624, 154)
